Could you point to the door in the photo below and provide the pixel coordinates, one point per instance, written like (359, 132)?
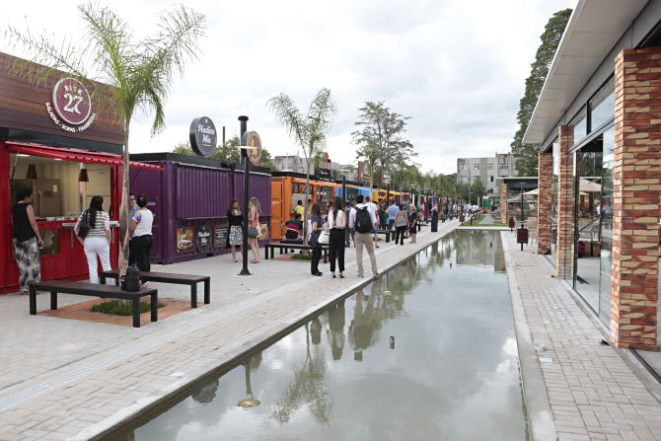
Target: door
(277, 211)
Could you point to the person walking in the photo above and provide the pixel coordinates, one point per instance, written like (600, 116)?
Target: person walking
(392, 211)
(337, 222)
(27, 240)
(401, 224)
(235, 236)
(140, 229)
(317, 226)
(96, 241)
(413, 223)
(362, 221)
(133, 207)
(254, 210)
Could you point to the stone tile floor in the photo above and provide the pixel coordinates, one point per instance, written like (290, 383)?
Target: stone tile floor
(595, 392)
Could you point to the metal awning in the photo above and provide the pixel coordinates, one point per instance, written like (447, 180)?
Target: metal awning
(75, 155)
(593, 29)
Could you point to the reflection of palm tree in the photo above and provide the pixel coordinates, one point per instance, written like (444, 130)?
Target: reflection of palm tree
(306, 387)
(206, 393)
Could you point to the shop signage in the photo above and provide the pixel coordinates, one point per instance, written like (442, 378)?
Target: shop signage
(203, 239)
(203, 136)
(185, 238)
(70, 107)
(251, 139)
(220, 236)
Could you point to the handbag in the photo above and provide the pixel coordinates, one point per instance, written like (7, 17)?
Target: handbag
(84, 225)
(324, 238)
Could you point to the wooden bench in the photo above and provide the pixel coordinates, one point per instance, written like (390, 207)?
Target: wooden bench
(286, 246)
(387, 233)
(94, 290)
(177, 279)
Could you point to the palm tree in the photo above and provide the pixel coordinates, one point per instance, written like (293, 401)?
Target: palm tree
(308, 131)
(141, 72)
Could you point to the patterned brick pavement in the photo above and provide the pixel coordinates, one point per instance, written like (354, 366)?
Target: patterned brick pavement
(593, 390)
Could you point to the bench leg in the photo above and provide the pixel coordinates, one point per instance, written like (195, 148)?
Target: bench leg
(136, 313)
(207, 291)
(272, 253)
(33, 301)
(193, 295)
(266, 252)
(53, 300)
(154, 307)
(102, 279)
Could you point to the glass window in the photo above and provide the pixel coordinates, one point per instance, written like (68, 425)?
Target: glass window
(606, 211)
(580, 124)
(602, 106)
(476, 166)
(489, 165)
(554, 203)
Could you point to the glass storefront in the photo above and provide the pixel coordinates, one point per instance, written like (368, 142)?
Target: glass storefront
(606, 210)
(554, 199)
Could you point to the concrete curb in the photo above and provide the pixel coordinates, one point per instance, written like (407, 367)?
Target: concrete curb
(538, 407)
(147, 405)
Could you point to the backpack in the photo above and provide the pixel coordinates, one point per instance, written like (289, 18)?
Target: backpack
(84, 225)
(363, 220)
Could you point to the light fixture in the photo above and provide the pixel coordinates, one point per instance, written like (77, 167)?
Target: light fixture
(32, 172)
(250, 401)
(82, 177)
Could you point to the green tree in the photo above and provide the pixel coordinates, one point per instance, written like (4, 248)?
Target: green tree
(477, 191)
(308, 131)
(266, 161)
(380, 138)
(526, 154)
(140, 71)
(228, 152)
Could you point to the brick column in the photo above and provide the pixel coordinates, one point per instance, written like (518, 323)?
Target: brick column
(503, 203)
(544, 202)
(637, 185)
(565, 242)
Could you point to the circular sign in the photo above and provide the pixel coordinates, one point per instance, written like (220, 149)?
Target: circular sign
(251, 139)
(203, 136)
(71, 101)
(203, 239)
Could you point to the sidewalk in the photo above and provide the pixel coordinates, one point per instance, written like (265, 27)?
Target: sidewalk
(67, 379)
(590, 391)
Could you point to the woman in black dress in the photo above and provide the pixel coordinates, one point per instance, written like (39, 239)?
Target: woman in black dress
(434, 219)
(235, 235)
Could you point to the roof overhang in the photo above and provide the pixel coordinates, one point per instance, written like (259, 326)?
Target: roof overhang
(594, 28)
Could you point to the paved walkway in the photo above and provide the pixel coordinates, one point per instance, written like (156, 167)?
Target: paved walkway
(594, 392)
(67, 379)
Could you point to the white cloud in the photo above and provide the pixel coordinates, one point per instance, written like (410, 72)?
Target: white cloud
(456, 67)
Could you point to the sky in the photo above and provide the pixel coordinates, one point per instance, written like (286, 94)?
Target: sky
(456, 67)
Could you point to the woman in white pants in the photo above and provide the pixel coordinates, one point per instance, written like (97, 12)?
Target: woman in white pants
(97, 240)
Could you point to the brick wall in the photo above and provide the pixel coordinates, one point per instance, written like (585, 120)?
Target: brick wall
(565, 241)
(503, 203)
(544, 202)
(637, 171)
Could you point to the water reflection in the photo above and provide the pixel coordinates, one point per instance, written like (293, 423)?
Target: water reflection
(452, 374)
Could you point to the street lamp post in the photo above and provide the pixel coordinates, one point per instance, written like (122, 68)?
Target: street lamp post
(246, 195)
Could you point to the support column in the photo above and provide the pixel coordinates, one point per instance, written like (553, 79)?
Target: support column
(565, 242)
(637, 185)
(503, 203)
(544, 202)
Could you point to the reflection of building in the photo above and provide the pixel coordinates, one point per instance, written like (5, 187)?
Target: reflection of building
(478, 248)
(489, 170)
(588, 136)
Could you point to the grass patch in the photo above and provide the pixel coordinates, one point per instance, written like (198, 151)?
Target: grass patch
(115, 307)
(301, 256)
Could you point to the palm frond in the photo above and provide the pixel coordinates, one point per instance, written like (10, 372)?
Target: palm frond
(290, 117)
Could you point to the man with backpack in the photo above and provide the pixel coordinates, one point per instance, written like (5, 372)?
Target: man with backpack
(362, 220)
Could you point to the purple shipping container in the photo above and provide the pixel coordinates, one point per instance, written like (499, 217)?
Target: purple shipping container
(192, 193)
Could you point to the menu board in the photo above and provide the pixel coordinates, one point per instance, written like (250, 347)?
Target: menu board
(220, 236)
(185, 239)
(203, 239)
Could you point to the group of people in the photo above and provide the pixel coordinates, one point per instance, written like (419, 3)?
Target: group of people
(92, 231)
(235, 236)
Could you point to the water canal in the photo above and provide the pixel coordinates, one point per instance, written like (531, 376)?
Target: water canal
(426, 352)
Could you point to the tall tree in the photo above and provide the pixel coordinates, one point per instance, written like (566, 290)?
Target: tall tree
(309, 130)
(141, 71)
(477, 191)
(380, 138)
(228, 152)
(526, 154)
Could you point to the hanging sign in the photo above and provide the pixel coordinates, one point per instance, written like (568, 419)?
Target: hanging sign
(203, 239)
(203, 136)
(71, 106)
(252, 140)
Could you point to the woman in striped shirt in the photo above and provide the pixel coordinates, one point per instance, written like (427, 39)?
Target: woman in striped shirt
(97, 241)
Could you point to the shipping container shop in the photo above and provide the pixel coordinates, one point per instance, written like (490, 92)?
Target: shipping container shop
(190, 199)
(60, 138)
